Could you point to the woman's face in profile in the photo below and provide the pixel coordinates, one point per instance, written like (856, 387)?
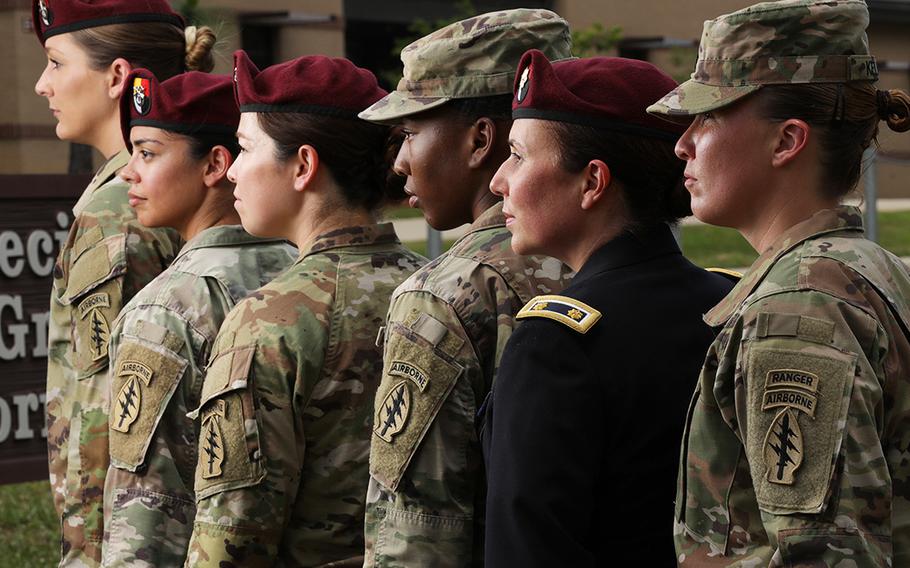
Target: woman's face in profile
(538, 193)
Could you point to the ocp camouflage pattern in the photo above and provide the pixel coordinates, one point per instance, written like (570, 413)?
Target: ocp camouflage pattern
(774, 43)
(286, 408)
(107, 258)
(476, 57)
(818, 477)
(169, 327)
(450, 323)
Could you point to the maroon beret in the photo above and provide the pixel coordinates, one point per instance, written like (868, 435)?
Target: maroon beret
(52, 17)
(313, 84)
(189, 103)
(611, 93)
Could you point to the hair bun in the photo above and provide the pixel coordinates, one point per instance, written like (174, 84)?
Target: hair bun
(199, 45)
(894, 108)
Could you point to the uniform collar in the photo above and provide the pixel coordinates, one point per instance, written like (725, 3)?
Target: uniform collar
(843, 218)
(363, 235)
(492, 217)
(628, 249)
(102, 176)
(222, 236)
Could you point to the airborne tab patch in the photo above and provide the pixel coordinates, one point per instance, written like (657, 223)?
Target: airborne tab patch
(409, 371)
(567, 311)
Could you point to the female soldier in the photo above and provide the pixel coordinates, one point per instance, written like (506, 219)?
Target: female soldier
(583, 419)
(181, 132)
(91, 47)
(287, 400)
(803, 405)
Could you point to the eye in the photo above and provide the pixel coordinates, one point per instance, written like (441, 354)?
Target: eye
(406, 133)
(145, 154)
(54, 63)
(514, 156)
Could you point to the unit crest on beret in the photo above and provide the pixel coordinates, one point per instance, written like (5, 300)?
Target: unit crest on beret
(567, 311)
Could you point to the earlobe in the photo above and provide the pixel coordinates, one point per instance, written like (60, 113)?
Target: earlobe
(597, 179)
(117, 73)
(792, 138)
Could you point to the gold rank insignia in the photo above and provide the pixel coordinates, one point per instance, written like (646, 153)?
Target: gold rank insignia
(788, 392)
(567, 311)
(129, 399)
(393, 413)
(212, 440)
(98, 329)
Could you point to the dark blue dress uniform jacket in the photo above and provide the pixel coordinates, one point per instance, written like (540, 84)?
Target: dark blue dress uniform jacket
(581, 433)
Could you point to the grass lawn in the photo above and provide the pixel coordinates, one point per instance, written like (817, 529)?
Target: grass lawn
(29, 533)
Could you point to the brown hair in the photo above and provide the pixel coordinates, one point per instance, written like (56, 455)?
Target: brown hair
(356, 152)
(647, 169)
(162, 48)
(845, 118)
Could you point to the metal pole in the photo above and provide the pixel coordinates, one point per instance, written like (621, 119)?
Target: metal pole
(434, 243)
(871, 194)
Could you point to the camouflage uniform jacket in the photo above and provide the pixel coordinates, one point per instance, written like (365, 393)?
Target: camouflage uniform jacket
(159, 349)
(797, 449)
(287, 406)
(447, 327)
(107, 258)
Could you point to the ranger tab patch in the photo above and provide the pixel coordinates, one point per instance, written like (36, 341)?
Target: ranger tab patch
(567, 311)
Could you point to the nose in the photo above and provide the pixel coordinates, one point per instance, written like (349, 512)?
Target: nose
(128, 172)
(499, 184)
(232, 171)
(42, 88)
(685, 148)
(402, 165)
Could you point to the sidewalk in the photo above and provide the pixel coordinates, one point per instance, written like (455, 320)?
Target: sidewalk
(416, 229)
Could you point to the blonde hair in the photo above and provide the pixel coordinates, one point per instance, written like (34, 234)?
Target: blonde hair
(162, 48)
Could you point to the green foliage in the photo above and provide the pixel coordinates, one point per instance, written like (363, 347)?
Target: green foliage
(595, 40)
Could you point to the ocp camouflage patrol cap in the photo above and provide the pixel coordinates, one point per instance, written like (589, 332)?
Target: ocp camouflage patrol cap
(475, 57)
(774, 43)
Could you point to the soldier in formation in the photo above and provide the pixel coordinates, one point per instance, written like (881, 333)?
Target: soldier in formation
(448, 324)
(583, 418)
(796, 451)
(287, 400)
(108, 257)
(181, 134)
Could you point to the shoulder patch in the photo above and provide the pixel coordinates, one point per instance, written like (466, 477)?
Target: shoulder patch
(568, 311)
(732, 275)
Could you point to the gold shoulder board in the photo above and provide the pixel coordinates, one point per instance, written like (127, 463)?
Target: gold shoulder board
(568, 311)
(730, 274)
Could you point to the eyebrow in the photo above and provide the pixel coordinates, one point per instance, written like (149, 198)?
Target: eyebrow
(142, 141)
(515, 143)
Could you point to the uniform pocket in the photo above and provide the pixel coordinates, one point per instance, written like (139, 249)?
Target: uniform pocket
(148, 529)
(230, 453)
(144, 379)
(94, 290)
(832, 546)
(415, 382)
(798, 398)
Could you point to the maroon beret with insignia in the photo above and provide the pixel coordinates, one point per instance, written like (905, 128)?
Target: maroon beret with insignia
(189, 103)
(313, 84)
(611, 93)
(52, 17)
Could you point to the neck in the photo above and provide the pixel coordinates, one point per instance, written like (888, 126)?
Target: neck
(107, 137)
(327, 219)
(207, 220)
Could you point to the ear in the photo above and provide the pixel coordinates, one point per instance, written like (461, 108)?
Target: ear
(792, 137)
(117, 73)
(596, 180)
(217, 165)
(305, 167)
(482, 141)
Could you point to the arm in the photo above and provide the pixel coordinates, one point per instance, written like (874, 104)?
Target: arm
(544, 449)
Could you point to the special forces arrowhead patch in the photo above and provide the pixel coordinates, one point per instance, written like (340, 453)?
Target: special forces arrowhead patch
(393, 413)
(142, 92)
(99, 331)
(792, 392)
(129, 399)
(212, 440)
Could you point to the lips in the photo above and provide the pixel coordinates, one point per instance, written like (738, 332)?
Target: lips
(134, 199)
